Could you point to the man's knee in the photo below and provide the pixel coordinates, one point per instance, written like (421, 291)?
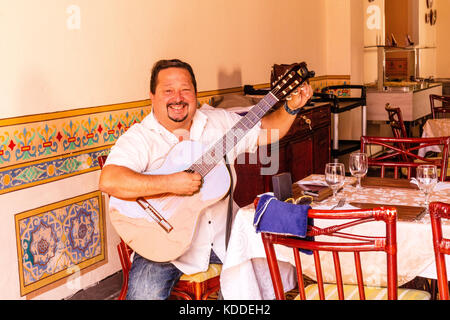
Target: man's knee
(151, 280)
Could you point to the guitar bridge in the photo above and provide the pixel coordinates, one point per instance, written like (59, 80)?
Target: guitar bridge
(154, 214)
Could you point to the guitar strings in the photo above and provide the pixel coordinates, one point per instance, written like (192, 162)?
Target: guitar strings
(207, 162)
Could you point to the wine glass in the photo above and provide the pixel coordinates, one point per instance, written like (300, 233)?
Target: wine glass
(334, 176)
(358, 166)
(426, 179)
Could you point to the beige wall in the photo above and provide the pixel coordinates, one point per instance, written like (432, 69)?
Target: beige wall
(107, 60)
(442, 36)
(427, 39)
(372, 37)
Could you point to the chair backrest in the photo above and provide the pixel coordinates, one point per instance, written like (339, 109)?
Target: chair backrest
(440, 105)
(393, 156)
(336, 242)
(125, 256)
(396, 121)
(439, 211)
(101, 160)
(397, 126)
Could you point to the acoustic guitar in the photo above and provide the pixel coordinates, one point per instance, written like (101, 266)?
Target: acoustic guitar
(161, 228)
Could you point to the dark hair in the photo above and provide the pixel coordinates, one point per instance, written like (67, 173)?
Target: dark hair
(165, 64)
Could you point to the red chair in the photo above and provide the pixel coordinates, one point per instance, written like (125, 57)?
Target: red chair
(396, 121)
(197, 286)
(439, 110)
(439, 211)
(342, 242)
(397, 125)
(406, 157)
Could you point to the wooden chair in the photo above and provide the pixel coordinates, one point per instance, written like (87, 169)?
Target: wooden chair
(398, 126)
(393, 156)
(197, 286)
(439, 110)
(342, 242)
(439, 211)
(396, 121)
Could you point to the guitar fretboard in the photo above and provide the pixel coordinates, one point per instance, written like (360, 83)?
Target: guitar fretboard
(216, 153)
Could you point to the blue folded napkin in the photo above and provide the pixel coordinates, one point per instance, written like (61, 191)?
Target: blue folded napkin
(275, 216)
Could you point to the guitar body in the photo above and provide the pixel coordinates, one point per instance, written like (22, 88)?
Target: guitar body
(145, 235)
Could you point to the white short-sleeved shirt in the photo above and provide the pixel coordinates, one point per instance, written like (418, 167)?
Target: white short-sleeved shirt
(143, 148)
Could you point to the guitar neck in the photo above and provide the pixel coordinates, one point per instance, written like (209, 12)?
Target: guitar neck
(216, 153)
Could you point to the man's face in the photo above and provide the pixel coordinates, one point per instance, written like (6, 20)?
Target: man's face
(175, 101)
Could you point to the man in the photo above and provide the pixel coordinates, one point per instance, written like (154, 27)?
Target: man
(142, 148)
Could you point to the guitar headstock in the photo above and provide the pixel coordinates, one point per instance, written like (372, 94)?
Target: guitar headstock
(291, 79)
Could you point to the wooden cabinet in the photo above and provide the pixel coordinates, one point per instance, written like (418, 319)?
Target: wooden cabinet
(303, 151)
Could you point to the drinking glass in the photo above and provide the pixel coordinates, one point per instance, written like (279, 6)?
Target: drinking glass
(427, 179)
(358, 166)
(334, 176)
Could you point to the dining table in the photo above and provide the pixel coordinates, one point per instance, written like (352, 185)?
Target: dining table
(434, 128)
(245, 274)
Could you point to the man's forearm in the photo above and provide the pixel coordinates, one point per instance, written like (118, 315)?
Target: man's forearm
(122, 182)
(278, 120)
(281, 119)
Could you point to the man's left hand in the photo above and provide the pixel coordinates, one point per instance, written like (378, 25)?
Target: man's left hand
(300, 96)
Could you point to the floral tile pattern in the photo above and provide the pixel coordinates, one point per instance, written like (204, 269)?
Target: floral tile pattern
(52, 240)
(37, 151)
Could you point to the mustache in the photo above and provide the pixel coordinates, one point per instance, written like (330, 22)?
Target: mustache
(179, 103)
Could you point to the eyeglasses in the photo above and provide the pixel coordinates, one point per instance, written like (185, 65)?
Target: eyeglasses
(303, 200)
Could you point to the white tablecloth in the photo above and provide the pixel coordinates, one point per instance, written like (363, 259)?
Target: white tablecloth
(245, 274)
(434, 128)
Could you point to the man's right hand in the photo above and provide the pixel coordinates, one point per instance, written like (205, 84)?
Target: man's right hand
(185, 183)
(124, 183)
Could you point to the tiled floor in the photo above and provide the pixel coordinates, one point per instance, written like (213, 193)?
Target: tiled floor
(107, 289)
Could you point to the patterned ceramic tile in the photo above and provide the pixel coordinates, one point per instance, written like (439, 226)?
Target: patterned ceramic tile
(54, 239)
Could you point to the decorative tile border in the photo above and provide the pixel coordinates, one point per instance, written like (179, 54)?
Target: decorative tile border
(42, 148)
(33, 138)
(35, 173)
(56, 239)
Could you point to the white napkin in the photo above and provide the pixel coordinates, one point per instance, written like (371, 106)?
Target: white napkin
(313, 182)
(438, 187)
